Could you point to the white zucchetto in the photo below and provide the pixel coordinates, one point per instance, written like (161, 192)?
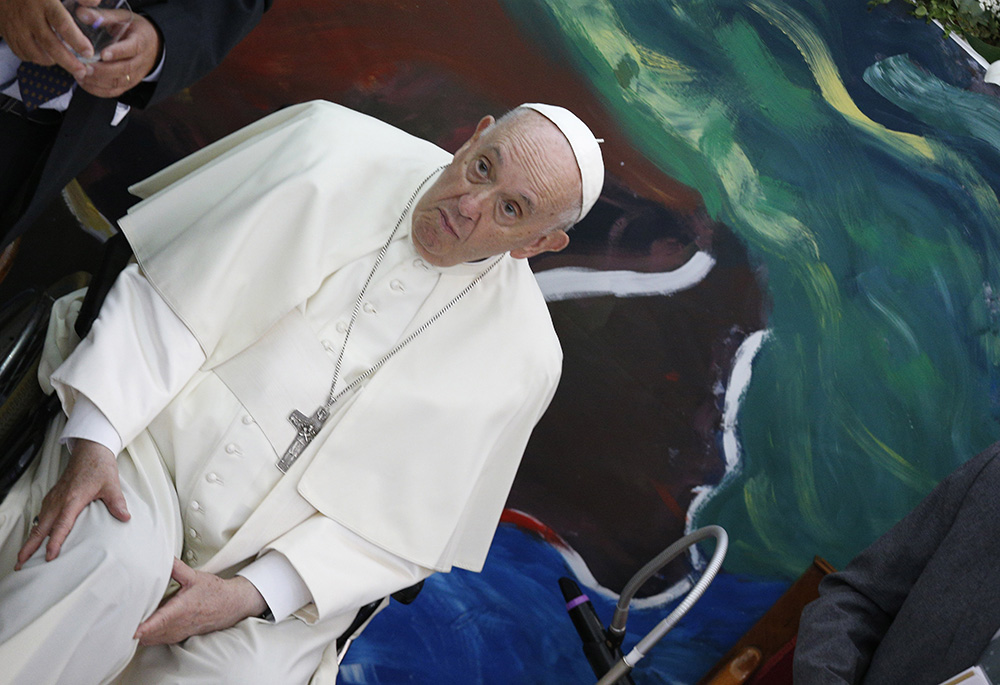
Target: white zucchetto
(585, 148)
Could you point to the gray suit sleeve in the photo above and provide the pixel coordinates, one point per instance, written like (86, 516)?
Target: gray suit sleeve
(841, 631)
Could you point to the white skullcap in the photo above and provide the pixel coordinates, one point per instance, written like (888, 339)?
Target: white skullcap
(585, 149)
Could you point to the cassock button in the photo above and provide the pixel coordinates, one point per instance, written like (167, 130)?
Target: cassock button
(397, 285)
(233, 448)
(328, 346)
(192, 533)
(421, 264)
(195, 506)
(190, 555)
(247, 420)
(213, 478)
(369, 308)
(341, 327)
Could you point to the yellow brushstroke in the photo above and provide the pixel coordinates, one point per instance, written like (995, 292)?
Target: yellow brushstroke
(804, 486)
(895, 460)
(761, 502)
(820, 62)
(824, 295)
(596, 22)
(886, 457)
(759, 499)
(669, 68)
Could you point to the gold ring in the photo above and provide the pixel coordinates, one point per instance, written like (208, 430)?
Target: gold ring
(34, 522)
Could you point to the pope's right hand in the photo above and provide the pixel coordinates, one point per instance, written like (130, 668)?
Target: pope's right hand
(92, 474)
(29, 27)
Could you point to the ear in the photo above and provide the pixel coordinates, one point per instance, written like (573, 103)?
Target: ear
(553, 241)
(483, 124)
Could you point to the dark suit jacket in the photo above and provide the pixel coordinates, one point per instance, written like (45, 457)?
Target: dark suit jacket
(197, 34)
(921, 603)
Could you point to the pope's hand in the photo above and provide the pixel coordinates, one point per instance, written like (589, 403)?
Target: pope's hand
(91, 474)
(29, 27)
(205, 603)
(125, 63)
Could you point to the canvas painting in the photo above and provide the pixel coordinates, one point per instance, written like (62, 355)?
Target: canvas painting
(782, 316)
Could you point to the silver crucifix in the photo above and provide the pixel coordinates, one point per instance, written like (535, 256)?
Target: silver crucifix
(306, 428)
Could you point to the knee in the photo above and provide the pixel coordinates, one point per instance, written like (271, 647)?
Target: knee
(141, 561)
(125, 562)
(92, 596)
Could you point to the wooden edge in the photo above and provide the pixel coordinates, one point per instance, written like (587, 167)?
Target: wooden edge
(780, 623)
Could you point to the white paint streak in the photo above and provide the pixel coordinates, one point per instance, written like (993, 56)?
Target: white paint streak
(732, 452)
(573, 282)
(897, 322)
(739, 381)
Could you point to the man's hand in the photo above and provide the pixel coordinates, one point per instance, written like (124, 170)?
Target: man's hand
(124, 64)
(30, 26)
(205, 603)
(92, 474)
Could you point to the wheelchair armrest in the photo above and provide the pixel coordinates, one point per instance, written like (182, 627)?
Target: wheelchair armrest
(408, 594)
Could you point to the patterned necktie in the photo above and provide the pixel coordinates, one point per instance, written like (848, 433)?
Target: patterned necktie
(40, 84)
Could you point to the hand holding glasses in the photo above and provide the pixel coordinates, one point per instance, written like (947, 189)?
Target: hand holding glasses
(101, 22)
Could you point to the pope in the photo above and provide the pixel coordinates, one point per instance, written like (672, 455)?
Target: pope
(311, 391)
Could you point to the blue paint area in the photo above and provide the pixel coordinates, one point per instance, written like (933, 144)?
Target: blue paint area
(509, 625)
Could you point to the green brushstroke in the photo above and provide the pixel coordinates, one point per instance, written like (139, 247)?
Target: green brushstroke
(880, 251)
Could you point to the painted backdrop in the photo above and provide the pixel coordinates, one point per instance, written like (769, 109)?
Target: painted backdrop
(782, 316)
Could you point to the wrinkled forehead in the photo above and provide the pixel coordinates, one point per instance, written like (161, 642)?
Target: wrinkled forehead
(528, 141)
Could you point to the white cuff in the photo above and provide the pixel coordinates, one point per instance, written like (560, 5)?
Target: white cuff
(342, 570)
(280, 584)
(87, 422)
(154, 75)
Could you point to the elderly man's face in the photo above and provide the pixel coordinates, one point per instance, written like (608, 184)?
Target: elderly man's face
(511, 187)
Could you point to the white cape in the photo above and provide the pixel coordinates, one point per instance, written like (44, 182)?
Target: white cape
(236, 236)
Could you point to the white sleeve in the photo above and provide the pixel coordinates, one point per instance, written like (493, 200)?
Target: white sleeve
(87, 422)
(136, 358)
(342, 570)
(362, 572)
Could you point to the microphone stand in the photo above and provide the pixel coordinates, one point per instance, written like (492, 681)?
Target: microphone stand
(619, 670)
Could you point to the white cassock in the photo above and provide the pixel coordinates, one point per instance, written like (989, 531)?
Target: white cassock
(259, 244)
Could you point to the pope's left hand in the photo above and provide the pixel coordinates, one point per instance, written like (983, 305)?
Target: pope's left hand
(205, 603)
(124, 64)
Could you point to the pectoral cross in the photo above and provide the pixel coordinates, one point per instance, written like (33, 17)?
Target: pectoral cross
(306, 427)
